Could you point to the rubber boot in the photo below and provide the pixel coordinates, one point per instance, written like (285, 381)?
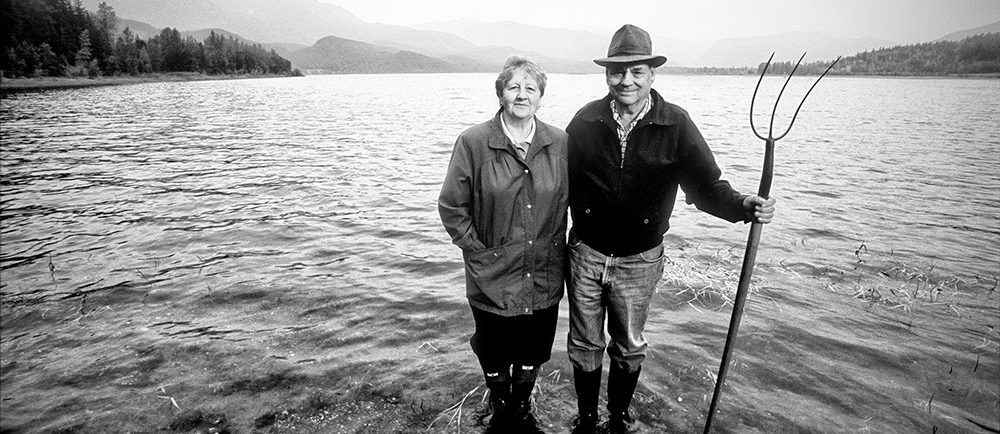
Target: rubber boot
(621, 387)
(500, 385)
(588, 389)
(522, 384)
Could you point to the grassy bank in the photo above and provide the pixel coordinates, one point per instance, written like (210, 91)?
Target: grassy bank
(11, 85)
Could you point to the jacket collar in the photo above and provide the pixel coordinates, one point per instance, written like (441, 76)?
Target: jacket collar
(498, 140)
(661, 112)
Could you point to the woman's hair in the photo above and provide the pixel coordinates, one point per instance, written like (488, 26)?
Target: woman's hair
(515, 62)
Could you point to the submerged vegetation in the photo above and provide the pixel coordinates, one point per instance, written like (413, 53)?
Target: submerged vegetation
(59, 38)
(709, 279)
(885, 280)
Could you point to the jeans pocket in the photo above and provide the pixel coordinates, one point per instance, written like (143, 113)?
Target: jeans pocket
(653, 255)
(573, 241)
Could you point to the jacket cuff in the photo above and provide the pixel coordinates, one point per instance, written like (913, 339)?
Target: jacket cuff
(747, 212)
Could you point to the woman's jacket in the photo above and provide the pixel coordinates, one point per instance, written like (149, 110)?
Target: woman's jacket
(508, 215)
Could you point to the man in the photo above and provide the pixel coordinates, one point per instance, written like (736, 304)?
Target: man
(628, 153)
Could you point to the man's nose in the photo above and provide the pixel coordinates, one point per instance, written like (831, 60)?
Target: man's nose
(627, 78)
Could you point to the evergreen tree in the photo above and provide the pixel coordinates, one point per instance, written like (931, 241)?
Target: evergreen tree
(83, 55)
(105, 25)
(60, 37)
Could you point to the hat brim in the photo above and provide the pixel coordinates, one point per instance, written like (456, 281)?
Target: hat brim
(652, 61)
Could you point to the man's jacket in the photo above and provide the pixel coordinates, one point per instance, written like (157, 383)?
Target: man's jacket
(623, 208)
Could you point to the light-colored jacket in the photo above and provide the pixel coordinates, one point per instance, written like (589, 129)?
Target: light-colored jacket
(508, 215)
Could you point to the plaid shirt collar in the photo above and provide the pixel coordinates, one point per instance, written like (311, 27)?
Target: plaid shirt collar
(624, 131)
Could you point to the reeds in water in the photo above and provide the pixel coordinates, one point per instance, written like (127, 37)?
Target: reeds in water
(703, 277)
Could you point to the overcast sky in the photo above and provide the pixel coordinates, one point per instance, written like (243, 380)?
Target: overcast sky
(899, 21)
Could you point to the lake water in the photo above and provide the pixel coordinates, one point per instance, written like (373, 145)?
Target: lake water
(270, 251)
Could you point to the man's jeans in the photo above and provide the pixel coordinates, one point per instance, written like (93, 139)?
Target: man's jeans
(622, 287)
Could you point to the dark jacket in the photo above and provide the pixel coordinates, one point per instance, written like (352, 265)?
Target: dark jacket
(508, 216)
(623, 210)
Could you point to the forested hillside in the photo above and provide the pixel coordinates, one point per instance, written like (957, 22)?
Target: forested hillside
(61, 38)
(979, 54)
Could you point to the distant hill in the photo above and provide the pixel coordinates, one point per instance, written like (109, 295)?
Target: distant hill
(333, 55)
(138, 28)
(561, 43)
(565, 50)
(146, 31)
(495, 55)
(286, 49)
(958, 36)
(753, 51)
(202, 34)
(268, 21)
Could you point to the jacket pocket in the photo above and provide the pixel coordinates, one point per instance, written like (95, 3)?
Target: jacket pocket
(494, 274)
(557, 266)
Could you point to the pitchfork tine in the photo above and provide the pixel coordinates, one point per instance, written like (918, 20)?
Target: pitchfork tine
(776, 100)
(754, 99)
(770, 128)
(828, 68)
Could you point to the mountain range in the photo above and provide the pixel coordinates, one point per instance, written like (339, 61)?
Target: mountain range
(322, 37)
(957, 36)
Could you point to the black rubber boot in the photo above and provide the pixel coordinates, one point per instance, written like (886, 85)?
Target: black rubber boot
(499, 384)
(522, 384)
(588, 389)
(621, 387)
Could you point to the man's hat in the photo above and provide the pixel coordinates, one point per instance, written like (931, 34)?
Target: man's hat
(631, 44)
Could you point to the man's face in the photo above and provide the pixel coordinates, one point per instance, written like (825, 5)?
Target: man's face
(630, 84)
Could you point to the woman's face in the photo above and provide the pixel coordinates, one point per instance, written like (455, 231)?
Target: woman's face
(521, 96)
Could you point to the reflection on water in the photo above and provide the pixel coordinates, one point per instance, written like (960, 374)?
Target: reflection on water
(299, 216)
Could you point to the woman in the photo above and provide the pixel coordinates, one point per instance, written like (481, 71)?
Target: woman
(504, 204)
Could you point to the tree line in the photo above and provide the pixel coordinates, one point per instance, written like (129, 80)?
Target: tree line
(979, 54)
(60, 38)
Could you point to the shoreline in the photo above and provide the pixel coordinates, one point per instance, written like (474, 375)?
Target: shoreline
(18, 85)
(23, 85)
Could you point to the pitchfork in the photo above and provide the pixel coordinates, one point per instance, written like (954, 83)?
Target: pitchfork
(751, 253)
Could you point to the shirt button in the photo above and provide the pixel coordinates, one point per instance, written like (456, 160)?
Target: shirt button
(530, 242)
(528, 275)
(646, 221)
(529, 206)
(587, 211)
(525, 170)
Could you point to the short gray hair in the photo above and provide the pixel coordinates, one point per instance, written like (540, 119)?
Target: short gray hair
(515, 62)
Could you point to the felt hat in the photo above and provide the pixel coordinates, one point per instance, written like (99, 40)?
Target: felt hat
(631, 44)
